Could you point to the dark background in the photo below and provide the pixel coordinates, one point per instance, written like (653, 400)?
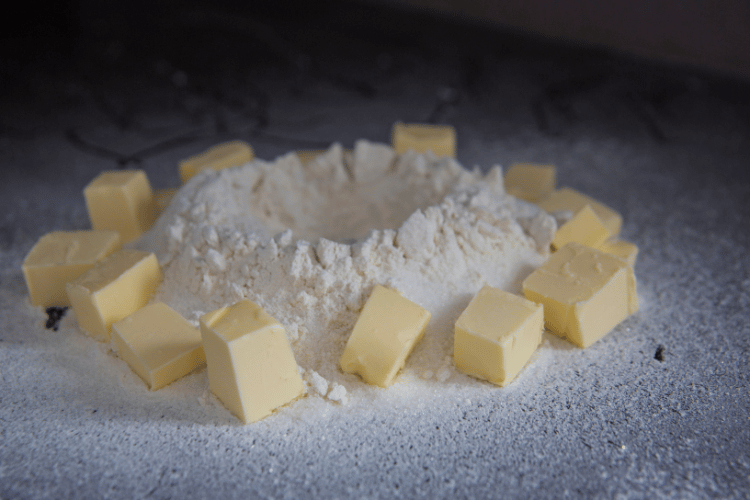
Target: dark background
(709, 35)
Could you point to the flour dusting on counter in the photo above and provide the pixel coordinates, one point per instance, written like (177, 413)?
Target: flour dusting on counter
(308, 243)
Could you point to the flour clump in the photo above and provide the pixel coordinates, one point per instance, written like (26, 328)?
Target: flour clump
(309, 243)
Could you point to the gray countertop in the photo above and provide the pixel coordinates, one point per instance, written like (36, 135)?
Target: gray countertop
(668, 148)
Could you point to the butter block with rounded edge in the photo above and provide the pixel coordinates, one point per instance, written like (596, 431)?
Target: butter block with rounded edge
(62, 256)
(585, 293)
(386, 331)
(112, 289)
(624, 249)
(224, 155)
(251, 367)
(565, 199)
(307, 155)
(163, 197)
(496, 335)
(585, 227)
(440, 139)
(121, 200)
(530, 181)
(158, 344)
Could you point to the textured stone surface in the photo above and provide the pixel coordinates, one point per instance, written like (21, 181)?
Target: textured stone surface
(666, 148)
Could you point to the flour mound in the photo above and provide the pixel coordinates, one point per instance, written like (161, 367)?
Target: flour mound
(308, 243)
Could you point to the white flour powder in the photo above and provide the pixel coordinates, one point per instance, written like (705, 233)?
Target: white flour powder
(309, 243)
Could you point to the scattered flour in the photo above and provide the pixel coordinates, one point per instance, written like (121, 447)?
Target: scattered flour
(309, 243)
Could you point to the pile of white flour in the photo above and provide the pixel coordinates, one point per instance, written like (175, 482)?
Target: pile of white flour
(308, 243)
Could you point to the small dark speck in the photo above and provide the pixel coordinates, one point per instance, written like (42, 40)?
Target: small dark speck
(659, 355)
(54, 315)
(94, 411)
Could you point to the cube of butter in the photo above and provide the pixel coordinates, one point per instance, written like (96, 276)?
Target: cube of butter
(251, 367)
(62, 256)
(224, 155)
(440, 139)
(529, 181)
(624, 249)
(585, 292)
(385, 333)
(121, 200)
(585, 228)
(496, 335)
(307, 155)
(569, 199)
(163, 197)
(158, 344)
(112, 289)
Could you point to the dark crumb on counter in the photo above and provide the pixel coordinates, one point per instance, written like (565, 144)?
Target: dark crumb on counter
(54, 315)
(659, 355)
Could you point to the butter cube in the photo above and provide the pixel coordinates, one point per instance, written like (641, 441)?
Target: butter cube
(225, 155)
(585, 228)
(386, 332)
(440, 139)
(121, 200)
(306, 156)
(585, 293)
(251, 367)
(158, 344)
(163, 197)
(569, 199)
(113, 289)
(496, 335)
(623, 249)
(62, 256)
(529, 181)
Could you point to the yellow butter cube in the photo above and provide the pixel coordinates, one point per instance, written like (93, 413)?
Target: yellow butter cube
(306, 156)
(585, 228)
(121, 200)
(496, 335)
(530, 182)
(60, 257)
(251, 367)
(112, 289)
(440, 139)
(624, 249)
(569, 199)
(225, 155)
(585, 293)
(385, 333)
(163, 197)
(158, 344)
